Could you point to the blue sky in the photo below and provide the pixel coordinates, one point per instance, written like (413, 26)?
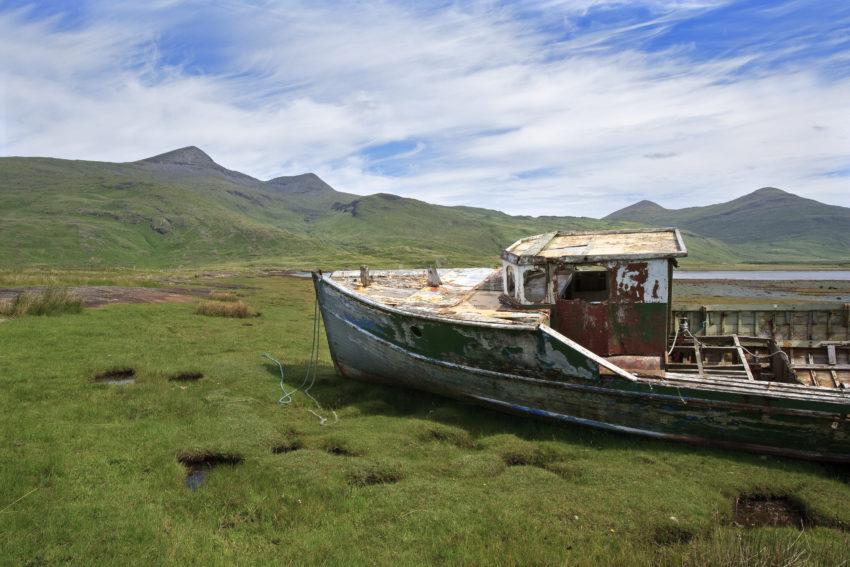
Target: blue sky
(551, 107)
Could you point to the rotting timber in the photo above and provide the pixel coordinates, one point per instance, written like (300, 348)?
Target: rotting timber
(579, 327)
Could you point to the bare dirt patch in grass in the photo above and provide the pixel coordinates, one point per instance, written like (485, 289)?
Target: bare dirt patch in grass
(198, 465)
(759, 510)
(189, 376)
(120, 376)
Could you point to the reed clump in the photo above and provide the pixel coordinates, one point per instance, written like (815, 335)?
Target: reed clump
(215, 308)
(53, 300)
(226, 296)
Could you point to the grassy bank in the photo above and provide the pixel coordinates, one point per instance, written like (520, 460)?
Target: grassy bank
(93, 472)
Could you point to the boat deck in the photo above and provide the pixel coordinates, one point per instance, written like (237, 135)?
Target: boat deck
(467, 294)
(472, 294)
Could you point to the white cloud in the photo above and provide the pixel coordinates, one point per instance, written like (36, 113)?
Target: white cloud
(501, 114)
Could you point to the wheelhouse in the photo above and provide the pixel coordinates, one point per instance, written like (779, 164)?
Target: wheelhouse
(610, 291)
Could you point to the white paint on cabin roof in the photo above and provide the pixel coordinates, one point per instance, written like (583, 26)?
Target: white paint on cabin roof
(597, 246)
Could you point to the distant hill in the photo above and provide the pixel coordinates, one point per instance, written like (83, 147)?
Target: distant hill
(767, 225)
(182, 208)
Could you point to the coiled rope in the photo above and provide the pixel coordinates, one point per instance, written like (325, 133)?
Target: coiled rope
(310, 372)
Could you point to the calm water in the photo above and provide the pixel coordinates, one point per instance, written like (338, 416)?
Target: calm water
(816, 275)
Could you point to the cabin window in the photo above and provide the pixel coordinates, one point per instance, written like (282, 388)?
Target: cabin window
(587, 285)
(534, 285)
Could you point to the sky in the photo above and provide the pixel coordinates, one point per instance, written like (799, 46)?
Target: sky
(550, 107)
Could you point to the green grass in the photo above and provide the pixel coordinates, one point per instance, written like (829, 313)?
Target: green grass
(89, 472)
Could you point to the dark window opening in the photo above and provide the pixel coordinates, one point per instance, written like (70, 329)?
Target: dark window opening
(589, 285)
(534, 286)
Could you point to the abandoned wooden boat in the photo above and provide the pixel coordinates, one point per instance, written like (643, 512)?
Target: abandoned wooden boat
(579, 327)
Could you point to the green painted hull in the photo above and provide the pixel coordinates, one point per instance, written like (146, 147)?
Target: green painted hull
(535, 371)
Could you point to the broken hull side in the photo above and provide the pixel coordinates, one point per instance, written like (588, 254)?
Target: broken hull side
(534, 371)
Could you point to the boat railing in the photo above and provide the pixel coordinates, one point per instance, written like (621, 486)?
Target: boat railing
(797, 325)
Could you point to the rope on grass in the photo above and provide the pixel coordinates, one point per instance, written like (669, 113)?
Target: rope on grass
(310, 373)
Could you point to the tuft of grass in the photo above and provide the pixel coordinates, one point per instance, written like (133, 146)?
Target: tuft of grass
(375, 472)
(448, 434)
(735, 550)
(53, 300)
(517, 452)
(226, 296)
(212, 308)
(336, 445)
(287, 444)
(208, 458)
(567, 471)
(671, 533)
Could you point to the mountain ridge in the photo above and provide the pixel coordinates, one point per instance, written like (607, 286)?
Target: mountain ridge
(183, 208)
(768, 224)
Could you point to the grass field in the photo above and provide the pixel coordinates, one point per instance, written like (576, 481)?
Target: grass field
(91, 472)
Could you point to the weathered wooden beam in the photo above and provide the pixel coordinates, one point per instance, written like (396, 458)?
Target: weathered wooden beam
(698, 358)
(433, 277)
(821, 367)
(834, 377)
(743, 357)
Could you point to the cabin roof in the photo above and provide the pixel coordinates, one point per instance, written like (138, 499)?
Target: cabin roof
(596, 246)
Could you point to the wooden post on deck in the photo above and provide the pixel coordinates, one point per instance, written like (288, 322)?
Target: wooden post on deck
(433, 277)
(365, 280)
(742, 356)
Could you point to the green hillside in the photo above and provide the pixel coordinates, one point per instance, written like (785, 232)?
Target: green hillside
(183, 209)
(768, 225)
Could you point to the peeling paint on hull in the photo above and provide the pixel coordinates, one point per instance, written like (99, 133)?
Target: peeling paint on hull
(534, 371)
